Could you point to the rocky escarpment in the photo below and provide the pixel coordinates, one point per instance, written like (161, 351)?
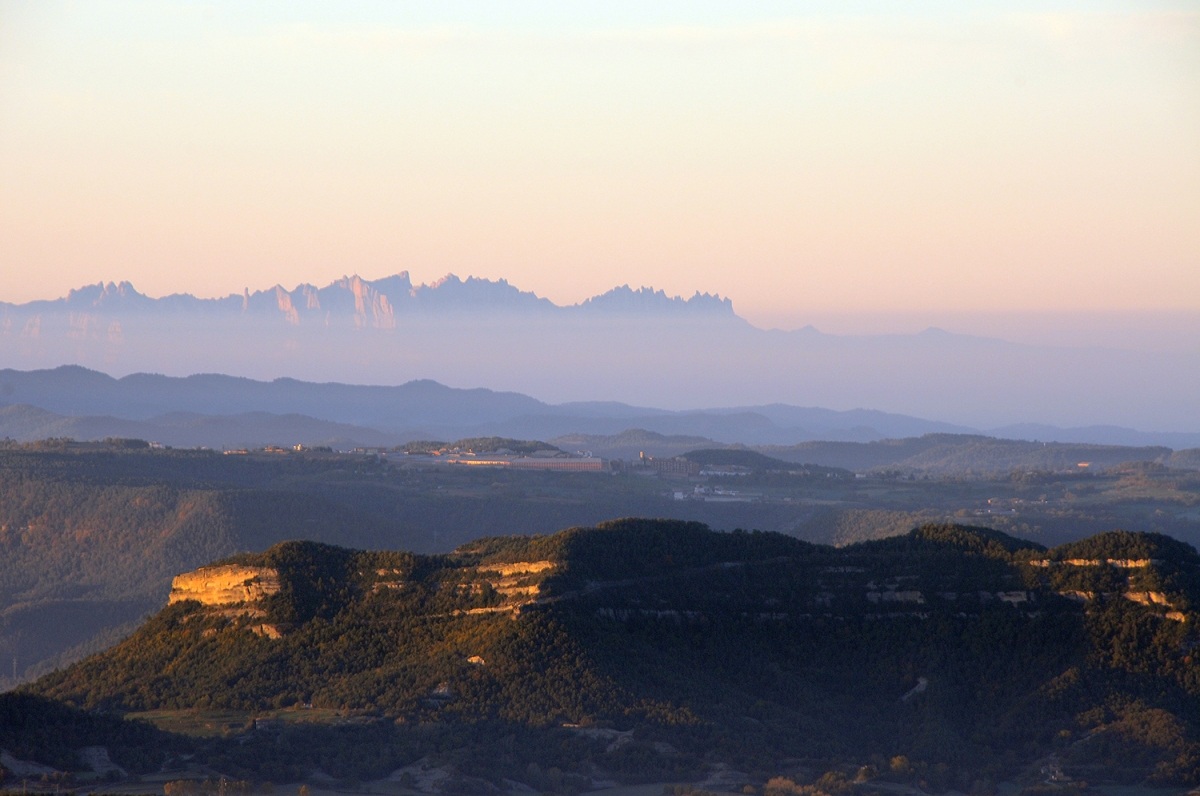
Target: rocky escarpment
(519, 582)
(231, 590)
(512, 585)
(1140, 580)
(225, 585)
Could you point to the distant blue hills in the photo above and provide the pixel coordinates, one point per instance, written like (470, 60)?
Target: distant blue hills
(596, 366)
(215, 410)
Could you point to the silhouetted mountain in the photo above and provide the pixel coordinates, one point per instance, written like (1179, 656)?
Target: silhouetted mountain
(192, 430)
(640, 346)
(420, 406)
(380, 415)
(72, 390)
(625, 301)
(358, 302)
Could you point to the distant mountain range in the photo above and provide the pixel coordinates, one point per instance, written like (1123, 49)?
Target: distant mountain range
(635, 347)
(224, 411)
(191, 430)
(355, 302)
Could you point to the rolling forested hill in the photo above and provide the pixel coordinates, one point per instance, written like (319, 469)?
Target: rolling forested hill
(91, 535)
(951, 657)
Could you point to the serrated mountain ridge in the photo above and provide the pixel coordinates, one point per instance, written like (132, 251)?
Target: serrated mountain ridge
(640, 346)
(370, 303)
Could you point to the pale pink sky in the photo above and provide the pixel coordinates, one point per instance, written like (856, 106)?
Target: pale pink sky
(847, 160)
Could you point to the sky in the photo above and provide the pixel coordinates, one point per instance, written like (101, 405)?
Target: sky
(864, 166)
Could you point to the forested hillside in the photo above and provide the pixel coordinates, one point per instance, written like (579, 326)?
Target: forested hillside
(91, 541)
(969, 654)
(92, 534)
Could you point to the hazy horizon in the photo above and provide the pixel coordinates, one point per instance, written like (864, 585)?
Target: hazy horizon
(1024, 176)
(640, 348)
(838, 161)
(1145, 330)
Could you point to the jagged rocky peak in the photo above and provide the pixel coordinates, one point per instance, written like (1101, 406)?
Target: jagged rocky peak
(474, 294)
(624, 299)
(110, 295)
(364, 303)
(351, 298)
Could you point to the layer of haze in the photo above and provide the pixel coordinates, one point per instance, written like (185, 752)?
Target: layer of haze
(846, 164)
